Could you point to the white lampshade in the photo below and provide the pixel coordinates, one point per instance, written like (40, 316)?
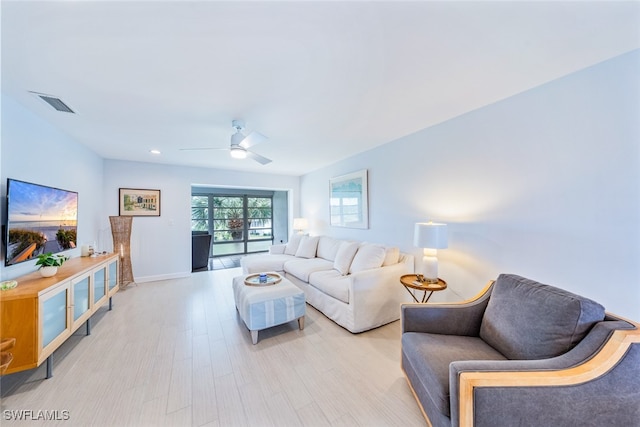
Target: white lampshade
(430, 235)
(300, 223)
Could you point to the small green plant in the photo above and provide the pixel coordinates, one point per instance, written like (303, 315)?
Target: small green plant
(50, 260)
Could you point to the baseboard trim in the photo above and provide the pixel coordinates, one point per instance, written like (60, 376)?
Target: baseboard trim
(159, 277)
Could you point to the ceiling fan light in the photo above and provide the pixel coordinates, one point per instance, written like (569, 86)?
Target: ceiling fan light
(238, 153)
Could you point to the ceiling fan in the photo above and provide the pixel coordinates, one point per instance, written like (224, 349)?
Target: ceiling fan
(240, 144)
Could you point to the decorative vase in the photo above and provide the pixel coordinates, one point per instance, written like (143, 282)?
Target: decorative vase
(48, 271)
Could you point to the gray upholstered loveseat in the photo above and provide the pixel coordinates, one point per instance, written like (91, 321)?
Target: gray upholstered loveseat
(522, 354)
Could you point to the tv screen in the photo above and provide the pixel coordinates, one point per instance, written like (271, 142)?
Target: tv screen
(40, 219)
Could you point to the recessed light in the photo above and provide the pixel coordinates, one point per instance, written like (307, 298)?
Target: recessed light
(154, 151)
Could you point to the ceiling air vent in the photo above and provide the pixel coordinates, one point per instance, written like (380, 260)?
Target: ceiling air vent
(54, 102)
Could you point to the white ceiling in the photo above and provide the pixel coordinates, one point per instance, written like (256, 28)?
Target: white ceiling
(323, 80)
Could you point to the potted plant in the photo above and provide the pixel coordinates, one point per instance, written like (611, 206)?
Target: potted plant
(49, 263)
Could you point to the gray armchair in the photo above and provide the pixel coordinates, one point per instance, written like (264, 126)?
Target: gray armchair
(522, 354)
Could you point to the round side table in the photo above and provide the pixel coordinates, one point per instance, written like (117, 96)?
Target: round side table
(410, 281)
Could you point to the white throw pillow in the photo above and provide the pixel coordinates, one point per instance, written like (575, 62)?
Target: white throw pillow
(392, 256)
(307, 248)
(344, 257)
(292, 244)
(368, 257)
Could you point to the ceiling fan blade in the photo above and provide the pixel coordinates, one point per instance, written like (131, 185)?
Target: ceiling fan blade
(258, 158)
(202, 148)
(252, 139)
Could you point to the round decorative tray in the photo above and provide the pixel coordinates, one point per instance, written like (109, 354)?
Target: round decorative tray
(254, 279)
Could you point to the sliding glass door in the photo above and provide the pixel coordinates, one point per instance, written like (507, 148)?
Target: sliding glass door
(239, 224)
(259, 223)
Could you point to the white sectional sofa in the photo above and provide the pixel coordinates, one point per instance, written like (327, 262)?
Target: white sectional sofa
(355, 284)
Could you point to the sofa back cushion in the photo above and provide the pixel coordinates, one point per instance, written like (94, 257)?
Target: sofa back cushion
(344, 257)
(307, 248)
(328, 247)
(368, 256)
(392, 256)
(292, 245)
(525, 319)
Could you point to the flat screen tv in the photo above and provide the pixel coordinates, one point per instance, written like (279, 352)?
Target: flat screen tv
(40, 219)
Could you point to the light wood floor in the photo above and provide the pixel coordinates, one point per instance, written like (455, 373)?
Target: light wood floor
(176, 353)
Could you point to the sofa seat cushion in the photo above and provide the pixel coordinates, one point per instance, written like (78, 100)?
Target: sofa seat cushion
(428, 357)
(528, 320)
(260, 263)
(302, 267)
(332, 283)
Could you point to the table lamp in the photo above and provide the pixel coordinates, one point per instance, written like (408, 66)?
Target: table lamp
(300, 224)
(430, 236)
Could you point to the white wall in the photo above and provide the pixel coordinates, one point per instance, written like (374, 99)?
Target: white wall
(34, 151)
(545, 184)
(161, 246)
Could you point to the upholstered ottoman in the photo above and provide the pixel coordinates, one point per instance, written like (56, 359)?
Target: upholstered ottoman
(262, 307)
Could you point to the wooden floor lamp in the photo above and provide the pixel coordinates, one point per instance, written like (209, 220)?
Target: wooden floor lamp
(121, 231)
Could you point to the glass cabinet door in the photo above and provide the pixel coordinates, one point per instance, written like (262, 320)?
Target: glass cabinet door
(54, 317)
(113, 276)
(81, 298)
(99, 284)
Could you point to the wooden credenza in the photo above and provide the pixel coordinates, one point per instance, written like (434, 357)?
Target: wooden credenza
(42, 312)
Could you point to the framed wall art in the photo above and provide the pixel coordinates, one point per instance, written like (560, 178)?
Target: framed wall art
(139, 202)
(349, 200)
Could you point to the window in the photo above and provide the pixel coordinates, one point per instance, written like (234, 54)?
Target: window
(228, 219)
(259, 223)
(199, 213)
(259, 218)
